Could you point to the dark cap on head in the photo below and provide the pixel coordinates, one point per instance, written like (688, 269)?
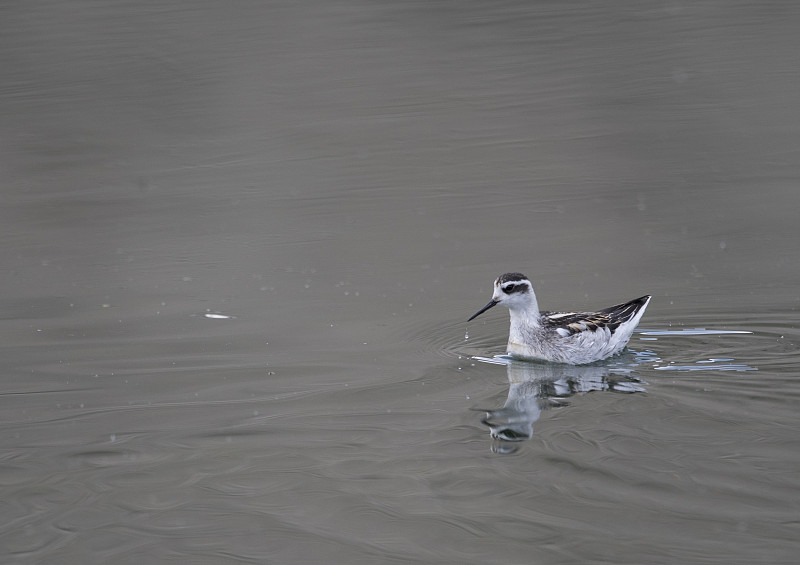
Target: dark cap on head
(511, 277)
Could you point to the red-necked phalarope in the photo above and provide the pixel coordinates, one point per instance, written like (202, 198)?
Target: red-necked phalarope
(564, 337)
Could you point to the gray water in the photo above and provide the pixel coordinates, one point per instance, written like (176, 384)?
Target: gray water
(239, 243)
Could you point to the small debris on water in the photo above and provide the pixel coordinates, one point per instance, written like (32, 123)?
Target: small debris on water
(218, 316)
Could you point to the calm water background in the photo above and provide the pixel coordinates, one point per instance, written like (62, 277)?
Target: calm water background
(337, 184)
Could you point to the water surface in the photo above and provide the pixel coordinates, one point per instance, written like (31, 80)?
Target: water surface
(240, 244)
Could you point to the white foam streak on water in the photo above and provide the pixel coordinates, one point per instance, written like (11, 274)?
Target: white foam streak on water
(724, 367)
(694, 331)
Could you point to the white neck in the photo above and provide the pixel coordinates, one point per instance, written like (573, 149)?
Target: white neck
(526, 314)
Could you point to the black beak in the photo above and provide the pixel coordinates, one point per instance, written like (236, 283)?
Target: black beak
(482, 310)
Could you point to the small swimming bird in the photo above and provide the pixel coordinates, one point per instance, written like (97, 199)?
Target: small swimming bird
(564, 337)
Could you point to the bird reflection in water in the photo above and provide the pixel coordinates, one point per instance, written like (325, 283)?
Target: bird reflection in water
(534, 387)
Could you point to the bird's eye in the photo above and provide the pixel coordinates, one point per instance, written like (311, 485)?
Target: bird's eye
(509, 289)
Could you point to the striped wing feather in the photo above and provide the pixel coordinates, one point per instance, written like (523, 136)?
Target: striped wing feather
(611, 317)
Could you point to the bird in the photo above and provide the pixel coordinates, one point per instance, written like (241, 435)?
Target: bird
(575, 338)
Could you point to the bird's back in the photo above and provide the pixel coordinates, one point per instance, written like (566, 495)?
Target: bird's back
(581, 337)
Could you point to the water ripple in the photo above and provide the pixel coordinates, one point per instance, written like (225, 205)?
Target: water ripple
(447, 339)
